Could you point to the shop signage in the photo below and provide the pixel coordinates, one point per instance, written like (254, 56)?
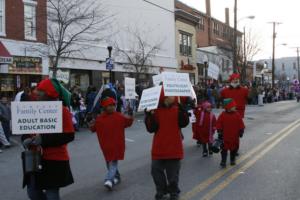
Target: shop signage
(40, 117)
(6, 60)
(25, 65)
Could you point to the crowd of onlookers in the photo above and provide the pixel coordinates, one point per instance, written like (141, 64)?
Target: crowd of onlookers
(84, 102)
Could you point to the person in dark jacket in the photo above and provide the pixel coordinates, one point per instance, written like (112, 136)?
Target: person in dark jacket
(56, 172)
(167, 148)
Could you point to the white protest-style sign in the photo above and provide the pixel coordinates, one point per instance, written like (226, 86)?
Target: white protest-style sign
(63, 76)
(157, 79)
(150, 98)
(176, 84)
(213, 71)
(192, 116)
(36, 117)
(129, 88)
(193, 93)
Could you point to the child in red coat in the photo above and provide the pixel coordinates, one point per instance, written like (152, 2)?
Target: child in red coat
(230, 127)
(110, 126)
(205, 127)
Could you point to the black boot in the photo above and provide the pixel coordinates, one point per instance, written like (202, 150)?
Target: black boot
(210, 149)
(205, 152)
(224, 158)
(232, 157)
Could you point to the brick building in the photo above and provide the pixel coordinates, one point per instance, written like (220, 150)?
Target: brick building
(23, 37)
(214, 40)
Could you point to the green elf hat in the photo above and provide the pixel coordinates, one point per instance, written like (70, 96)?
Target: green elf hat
(54, 89)
(229, 103)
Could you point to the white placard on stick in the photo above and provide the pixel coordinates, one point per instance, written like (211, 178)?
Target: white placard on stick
(40, 117)
(150, 98)
(129, 88)
(157, 79)
(176, 84)
(213, 71)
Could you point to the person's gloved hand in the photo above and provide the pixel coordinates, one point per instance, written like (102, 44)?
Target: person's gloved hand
(27, 142)
(241, 133)
(37, 140)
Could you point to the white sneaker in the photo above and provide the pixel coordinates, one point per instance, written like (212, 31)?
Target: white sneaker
(1, 151)
(116, 181)
(108, 184)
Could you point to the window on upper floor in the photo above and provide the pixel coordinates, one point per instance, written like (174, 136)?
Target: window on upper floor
(216, 28)
(185, 44)
(30, 19)
(201, 24)
(2, 17)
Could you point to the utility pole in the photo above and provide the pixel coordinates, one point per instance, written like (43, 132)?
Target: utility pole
(273, 55)
(298, 64)
(234, 62)
(245, 59)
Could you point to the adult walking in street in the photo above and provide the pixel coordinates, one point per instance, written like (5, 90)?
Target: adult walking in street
(55, 172)
(167, 149)
(110, 128)
(238, 93)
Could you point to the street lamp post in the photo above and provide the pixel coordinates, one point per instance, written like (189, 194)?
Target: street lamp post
(244, 69)
(273, 54)
(234, 62)
(109, 48)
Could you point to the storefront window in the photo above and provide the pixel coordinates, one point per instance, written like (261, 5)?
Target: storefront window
(7, 84)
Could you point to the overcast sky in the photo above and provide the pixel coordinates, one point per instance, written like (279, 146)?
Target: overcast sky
(284, 11)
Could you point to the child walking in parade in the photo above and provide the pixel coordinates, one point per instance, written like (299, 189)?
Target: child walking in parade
(230, 127)
(167, 148)
(110, 128)
(204, 127)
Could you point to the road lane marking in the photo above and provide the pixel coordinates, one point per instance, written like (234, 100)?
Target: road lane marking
(129, 140)
(205, 184)
(212, 193)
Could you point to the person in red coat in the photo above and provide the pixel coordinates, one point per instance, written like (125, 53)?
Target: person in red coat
(167, 148)
(56, 172)
(230, 127)
(236, 92)
(110, 128)
(205, 127)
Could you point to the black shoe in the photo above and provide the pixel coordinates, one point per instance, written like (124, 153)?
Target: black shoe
(161, 197)
(174, 197)
(223, 164)
(232, 162)
(211, 153)
(204, 154)
(237, 154)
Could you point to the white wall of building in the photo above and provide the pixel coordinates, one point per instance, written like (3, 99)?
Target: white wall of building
(155, 23)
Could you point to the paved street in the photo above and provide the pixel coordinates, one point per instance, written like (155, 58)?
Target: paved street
(268, 167)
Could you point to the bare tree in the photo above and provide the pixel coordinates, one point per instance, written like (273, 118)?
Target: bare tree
(72, 24)
(249, 48)
(139, 54)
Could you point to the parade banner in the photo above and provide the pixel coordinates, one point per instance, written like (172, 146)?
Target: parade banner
(176, 84)
(157, 79)
(150, 98)
(38, 117)
(129, 88)
(213, 71)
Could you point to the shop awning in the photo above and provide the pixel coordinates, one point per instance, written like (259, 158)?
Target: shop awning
(5, 57)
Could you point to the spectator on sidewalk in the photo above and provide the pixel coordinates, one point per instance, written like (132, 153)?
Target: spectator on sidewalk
(5, 113)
